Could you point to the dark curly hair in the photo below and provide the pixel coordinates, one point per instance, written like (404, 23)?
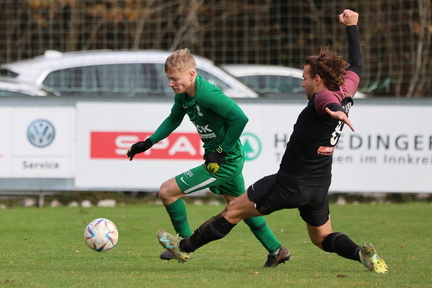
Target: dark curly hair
(329, 66)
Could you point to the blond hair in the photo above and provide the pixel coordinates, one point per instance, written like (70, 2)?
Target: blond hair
(180, 60)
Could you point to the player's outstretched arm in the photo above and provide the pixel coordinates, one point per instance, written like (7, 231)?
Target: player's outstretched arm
(341, 116)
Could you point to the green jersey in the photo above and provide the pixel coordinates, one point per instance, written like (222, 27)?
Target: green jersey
(217, 118)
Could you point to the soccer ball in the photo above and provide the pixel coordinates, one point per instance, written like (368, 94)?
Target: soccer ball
(101, 235)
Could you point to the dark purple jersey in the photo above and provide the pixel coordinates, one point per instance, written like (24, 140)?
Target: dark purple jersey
(308, 155)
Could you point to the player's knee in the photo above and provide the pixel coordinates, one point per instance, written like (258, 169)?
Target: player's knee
(169, 193)
(317, 242)
(233, 213)
(164, 193)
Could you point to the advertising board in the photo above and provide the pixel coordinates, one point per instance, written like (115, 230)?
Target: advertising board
(41, 142)
(386, 153)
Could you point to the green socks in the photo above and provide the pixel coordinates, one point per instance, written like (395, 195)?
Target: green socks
(178, 215)
(263, 233)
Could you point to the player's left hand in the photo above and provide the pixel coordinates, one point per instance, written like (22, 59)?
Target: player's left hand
(214, 160)
(341, 116)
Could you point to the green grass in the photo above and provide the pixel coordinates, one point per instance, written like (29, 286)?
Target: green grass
(44, 247)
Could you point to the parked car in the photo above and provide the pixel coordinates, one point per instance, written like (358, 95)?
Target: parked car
(271, 80)
(15, 87)
(137, 73)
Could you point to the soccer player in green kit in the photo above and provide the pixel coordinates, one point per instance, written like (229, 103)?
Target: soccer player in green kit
(219, 122)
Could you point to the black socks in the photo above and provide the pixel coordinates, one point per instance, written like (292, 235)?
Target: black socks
(213, 229)
(342, 245)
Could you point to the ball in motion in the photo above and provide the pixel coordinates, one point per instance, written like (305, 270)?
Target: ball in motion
(101, 234)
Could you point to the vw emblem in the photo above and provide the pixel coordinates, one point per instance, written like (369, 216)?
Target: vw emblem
(41, 133)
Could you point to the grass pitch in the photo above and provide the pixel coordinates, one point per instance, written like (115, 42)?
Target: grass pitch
(44, 247)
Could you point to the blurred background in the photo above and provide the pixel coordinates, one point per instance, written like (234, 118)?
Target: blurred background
(396, 34)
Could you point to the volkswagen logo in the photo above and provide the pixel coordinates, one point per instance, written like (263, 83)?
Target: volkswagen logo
(41, 133)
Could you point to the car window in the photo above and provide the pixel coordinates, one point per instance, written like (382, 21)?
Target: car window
(129, 79)
(8, 73)
(274, 83)
(213, 79)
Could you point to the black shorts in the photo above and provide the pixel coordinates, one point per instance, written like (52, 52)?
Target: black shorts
(273, 193)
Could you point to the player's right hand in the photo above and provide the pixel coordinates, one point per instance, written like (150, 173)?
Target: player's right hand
(139, 147)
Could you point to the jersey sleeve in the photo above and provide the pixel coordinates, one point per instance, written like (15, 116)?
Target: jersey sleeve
(173, 120)
(237, 120)
(326, 98)
(352, 81)
(355, 58)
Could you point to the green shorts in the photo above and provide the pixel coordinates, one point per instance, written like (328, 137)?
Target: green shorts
(229, 178)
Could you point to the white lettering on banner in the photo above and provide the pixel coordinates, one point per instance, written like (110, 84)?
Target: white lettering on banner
(124, 143)
(27, 165)
(163, 144)
(182, 145)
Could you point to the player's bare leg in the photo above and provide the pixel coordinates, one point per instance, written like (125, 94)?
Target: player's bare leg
(318, 234)
(240, 208)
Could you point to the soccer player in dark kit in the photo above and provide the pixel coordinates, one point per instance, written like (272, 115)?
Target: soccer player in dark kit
(304, 175)
(219, 122)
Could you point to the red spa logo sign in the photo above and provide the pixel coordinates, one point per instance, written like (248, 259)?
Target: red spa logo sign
(114, 145)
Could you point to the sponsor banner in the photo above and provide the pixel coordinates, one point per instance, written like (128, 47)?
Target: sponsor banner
(385, 154)
(102, 143)
(42, 142)
(390, 150)
(114, 145)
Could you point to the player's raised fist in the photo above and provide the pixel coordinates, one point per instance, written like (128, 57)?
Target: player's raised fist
(348, 17)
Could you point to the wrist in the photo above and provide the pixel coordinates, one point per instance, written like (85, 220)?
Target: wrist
(219, 150)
